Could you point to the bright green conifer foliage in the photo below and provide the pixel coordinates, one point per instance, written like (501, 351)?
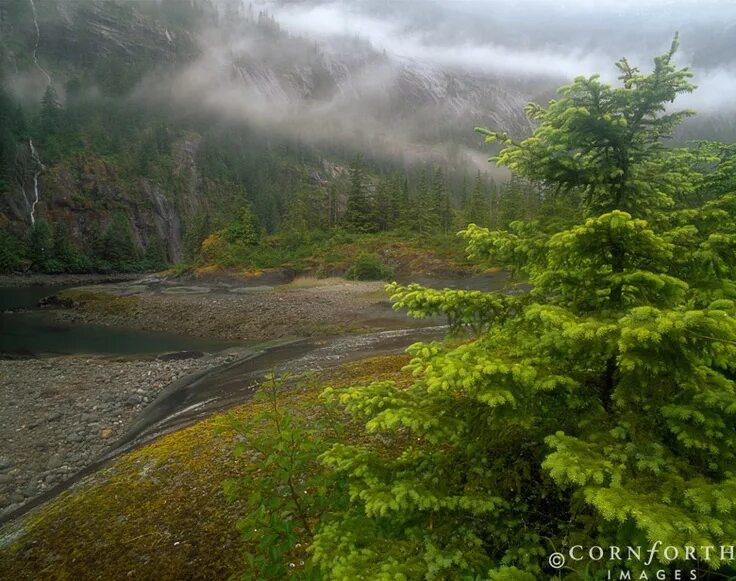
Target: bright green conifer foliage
(597, 409)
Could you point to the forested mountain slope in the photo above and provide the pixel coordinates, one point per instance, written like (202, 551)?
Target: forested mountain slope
(152, 122)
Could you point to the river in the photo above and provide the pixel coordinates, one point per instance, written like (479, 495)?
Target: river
(204, 392)
(26, 330)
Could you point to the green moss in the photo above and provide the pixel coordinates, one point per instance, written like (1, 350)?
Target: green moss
(159, 512)
(100, 302)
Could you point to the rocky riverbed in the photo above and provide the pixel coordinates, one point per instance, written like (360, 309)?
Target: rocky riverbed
(303, 308)
(57, 414)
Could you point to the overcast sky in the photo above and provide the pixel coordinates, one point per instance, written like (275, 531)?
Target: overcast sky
(545, 39)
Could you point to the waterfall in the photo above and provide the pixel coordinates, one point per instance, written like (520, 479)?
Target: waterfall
(38, 41)
(40, 167)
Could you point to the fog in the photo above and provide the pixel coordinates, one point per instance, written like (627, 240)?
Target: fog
(540, 40)
(412, 78)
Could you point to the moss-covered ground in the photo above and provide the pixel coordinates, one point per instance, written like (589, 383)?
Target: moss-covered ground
(100, 302)
(159, 512)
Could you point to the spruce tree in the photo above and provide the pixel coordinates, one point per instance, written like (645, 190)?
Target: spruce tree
(383, 209)
(117, 247)
(68, 258)
(478, 210)
(244, 230)
(598, 409)
(40, 244)
(359, 211)
(441, 200)
(427, 218)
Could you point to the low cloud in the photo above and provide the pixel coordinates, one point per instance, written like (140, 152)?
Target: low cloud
(542, 41)
(409, 82)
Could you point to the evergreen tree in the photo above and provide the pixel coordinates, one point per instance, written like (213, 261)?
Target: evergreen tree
(50, 111)
(155, 255)
(40, 244)
(427, 219)
(383, 205)
(441, 196)
(360, 213)
(595, 410)
(53, 130)
(12, 131)
(244, 230)
(12, 252)
(117, 247)
(309, 210)
(478, 211)
(406, 217)
(67, 257)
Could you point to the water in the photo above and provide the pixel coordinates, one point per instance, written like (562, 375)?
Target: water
(31, 332)
(485, 281)
(26, 333)
(25, 297)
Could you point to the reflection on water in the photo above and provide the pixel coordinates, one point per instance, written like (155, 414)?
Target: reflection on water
(24, 297)
(31, 332)
(26, 333)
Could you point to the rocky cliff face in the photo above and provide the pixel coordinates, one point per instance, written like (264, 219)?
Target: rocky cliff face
(86, 191)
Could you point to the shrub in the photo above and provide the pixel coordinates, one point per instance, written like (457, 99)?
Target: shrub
(369, 267)
(11, 252)
(293, 492)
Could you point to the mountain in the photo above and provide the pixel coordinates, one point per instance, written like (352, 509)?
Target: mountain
(168, 114)
(172, 81)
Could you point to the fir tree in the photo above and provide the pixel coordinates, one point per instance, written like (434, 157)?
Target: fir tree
(383, 205)
(244, 230)
(117, 247)
(595, 410)
(478, 210)
(427, 219)
(63, 251)
(359, 211)
(155, 255)
(40, 244)
(441, 198)
(309, 210)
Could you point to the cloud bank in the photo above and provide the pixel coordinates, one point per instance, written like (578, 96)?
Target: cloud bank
(536, 40)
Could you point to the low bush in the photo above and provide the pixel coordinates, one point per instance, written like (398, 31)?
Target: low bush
(369, 267)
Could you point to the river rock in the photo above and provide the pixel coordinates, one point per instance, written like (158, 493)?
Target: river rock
(78, 406)
(178, 355)
(54, 301)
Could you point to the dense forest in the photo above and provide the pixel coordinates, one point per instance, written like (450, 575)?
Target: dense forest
(95, 178)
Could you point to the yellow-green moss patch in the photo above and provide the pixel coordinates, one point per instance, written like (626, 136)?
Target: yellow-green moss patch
(100, 302)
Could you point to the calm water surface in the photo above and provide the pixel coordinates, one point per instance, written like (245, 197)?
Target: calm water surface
(31, 332)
